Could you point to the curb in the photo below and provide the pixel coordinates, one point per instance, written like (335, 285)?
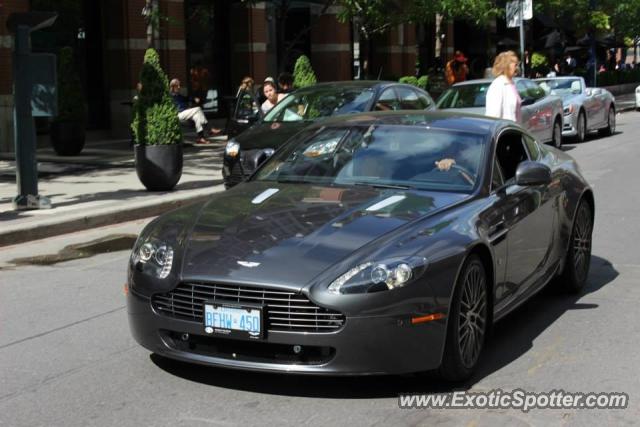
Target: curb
(86, 220)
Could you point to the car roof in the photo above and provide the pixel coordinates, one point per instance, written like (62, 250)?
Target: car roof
(444, 120)
(373, 84)
(559, 78)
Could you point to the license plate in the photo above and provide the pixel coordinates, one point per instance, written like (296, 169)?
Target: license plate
(233, 321)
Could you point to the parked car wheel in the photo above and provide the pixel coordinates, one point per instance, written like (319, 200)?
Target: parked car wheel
(467, 322)
(610, 129)
(581, 127)
(557, 134)
(578, 258)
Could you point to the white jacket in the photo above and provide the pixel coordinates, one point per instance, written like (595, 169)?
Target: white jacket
(502, 100)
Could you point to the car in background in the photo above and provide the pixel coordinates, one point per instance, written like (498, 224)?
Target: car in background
(638, 98)
(541, 113)
(585, 109)
(304, 106)
(378, 243)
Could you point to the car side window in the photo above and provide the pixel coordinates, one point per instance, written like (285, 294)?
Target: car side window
(387, 100)
(408, 99)
(424, 101)
(510, 151)
(497, 179)
(534, 91)
(522, 89)
(532, 147)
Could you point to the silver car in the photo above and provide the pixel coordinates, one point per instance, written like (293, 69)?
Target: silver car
(584, 108)
(541, 112)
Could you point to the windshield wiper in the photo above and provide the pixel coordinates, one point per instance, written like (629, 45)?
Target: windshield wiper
(378, 185)
(292, 181)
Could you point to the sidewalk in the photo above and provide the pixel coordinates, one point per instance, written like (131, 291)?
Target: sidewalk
(100, 187)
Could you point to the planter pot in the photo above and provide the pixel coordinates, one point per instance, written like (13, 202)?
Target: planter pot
(159, 167)
(67, 138)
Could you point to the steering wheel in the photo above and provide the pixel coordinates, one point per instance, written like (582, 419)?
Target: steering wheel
(461, 171)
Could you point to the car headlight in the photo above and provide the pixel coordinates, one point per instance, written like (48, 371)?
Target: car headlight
(638, 89)
(232, 149)
(155, 257)
(379, 276)
(569, 109)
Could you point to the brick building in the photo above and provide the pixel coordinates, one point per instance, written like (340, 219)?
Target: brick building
(227, 38)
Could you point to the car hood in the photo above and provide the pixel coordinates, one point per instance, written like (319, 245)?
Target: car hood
(249, 235)
(269, 135)
(571, 99)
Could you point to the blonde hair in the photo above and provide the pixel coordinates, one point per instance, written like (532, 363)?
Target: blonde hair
(502, 61)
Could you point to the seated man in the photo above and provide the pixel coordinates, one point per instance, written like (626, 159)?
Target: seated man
(194, 114)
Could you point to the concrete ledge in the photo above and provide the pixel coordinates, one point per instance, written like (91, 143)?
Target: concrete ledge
(78, 221)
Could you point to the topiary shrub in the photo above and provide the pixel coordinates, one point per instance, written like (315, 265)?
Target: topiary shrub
(303, 74)
(539, 63)
(422, 82)
(155, 116)
(410, 80)
(71, 104)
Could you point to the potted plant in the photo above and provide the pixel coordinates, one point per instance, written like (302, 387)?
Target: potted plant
(68, 127)
(156, 129)
(303, 74)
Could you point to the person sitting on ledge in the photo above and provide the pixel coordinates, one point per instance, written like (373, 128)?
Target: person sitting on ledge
(195, 114)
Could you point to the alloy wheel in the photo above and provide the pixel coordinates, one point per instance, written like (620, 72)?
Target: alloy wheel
(473, 315)
(557, 135)
(582, 242)
(582, 127)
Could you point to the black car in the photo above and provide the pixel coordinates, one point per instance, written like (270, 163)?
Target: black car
(307, 105)
(378, 243)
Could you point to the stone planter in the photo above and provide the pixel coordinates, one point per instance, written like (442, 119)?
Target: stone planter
(67, 137)
(159, 167)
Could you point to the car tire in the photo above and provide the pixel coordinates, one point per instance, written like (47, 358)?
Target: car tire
(610, 129)
(581, 127)
(556, 136)
(578, 259)
(467, 325)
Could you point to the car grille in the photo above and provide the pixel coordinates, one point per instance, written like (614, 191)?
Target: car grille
(284, 310)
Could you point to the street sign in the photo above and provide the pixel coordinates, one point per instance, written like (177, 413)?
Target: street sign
(513, 12)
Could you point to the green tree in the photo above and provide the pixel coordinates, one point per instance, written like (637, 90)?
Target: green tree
(155, 117)
(303, 74)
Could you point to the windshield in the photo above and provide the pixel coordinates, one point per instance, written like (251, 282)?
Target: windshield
(381, 156)
(316, 102)
(561, 87)
(464, 96)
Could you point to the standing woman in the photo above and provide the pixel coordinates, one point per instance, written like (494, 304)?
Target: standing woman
(503, 100)
(271, 93)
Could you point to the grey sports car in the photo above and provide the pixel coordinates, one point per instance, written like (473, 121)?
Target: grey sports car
(379, 243)
(584, 108)
(541, 112)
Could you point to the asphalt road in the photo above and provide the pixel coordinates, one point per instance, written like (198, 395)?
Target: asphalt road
(67, 358)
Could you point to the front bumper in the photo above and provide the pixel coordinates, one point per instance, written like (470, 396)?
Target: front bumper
(363, 346)
(570, 124)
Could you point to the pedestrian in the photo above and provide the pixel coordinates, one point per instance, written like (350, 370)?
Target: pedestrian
(247, 97)
(503, 100)
(194, 114)
(285, 81)
(272, 97)
(456, 70)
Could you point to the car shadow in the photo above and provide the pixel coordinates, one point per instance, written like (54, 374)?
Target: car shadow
(510, 339)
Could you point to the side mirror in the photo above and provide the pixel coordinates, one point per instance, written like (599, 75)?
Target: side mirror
(528, 100)
(263, 156)
(532, 173)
